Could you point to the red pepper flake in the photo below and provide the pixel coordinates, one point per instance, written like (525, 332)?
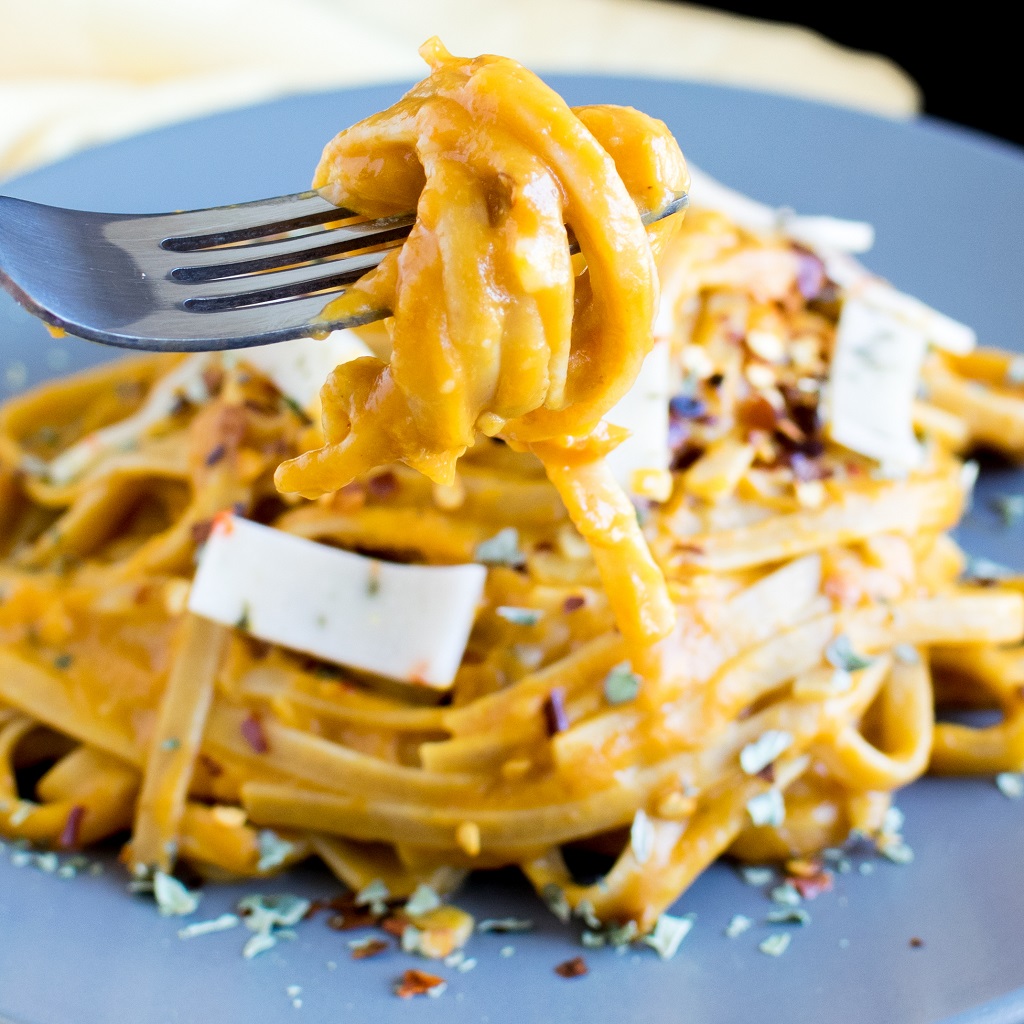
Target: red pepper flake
(574, 968)
(201, 532)
(367, 949)
(790, 431)
(916, 943)
(394, 926)
(573, 603)
(213, 768)
(350, 918)
(72, 827)
(351, 498)
(417, 983)
(216, 454)
(689, 549)
(757, 413)
(383, 485)
(252, 731)
(555, 717)
(767, 773)
(213, 379)
(224, 523)
(813, 885)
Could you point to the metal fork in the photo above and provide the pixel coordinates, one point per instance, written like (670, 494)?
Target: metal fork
(222, 278)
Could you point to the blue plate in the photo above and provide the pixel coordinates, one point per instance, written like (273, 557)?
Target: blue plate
(948, 209)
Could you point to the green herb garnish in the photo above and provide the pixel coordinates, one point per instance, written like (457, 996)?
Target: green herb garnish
(621, 685)
(840, 654)
(519, 616)
(501, 549)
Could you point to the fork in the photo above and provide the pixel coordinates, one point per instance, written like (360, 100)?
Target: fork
(201, 280)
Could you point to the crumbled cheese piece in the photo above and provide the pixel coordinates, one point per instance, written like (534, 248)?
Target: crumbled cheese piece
(896, 850)
(1011, 785)
(767, 808)
(786, 895)
(372, 893)
(423, 899)
(273, 850)
(738, 925)
(668, 933)
(775, 945)
(406, 622)
(217, 924)
(753, 874)
(173, 899)
(756, 756)
(641, 837)
(553, 895)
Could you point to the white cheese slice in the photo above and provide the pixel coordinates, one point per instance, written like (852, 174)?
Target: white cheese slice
(644, 456)
(874, 378)
(941, 330)
(299, 368)
(184, 381)
(405, 622)
(814, 232)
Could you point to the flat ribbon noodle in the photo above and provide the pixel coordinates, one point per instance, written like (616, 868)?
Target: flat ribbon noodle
(492, 331)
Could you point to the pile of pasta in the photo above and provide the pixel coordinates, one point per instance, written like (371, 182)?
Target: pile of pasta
(822, 616)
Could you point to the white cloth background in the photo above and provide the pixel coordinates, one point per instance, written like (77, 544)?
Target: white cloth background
(78, 72)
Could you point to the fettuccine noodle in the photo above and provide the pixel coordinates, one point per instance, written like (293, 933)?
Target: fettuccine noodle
(750, 666)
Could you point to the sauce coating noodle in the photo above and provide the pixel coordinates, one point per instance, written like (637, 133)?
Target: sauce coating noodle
(753, 671)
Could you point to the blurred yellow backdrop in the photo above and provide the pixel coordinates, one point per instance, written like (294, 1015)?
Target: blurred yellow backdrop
(77, 72)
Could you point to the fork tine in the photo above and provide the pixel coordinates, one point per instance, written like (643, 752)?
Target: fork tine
(176, 330)
(215, 296)
(212, 264)
(223, 225)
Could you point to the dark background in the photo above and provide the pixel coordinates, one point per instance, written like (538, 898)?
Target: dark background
(959, 53)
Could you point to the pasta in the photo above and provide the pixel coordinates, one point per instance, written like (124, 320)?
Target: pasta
(748, 664)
